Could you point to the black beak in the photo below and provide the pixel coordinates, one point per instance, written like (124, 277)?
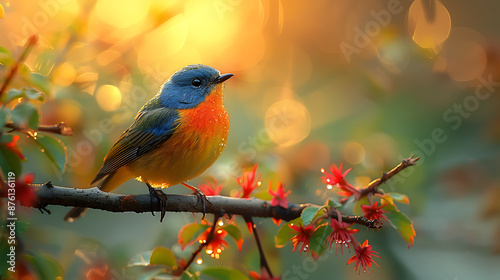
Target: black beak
(222, 78)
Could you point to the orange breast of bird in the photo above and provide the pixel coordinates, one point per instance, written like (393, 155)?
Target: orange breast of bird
(196, 144)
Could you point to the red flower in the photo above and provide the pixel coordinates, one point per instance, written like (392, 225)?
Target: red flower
(15, 148)
(303, 235)
(337, 178)
(374, 212)
(263, 275)
(210, 189)
(363, 256)
(217, 244)
(23, 191)
(248, 182)
(342, 235)
(279, 196)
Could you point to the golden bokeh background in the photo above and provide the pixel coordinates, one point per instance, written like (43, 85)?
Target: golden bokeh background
(364, 82)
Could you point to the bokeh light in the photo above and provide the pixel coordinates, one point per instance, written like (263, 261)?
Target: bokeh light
(354, 152)
(108, 97)
(64, 74)
(429, 23)
(287, 122)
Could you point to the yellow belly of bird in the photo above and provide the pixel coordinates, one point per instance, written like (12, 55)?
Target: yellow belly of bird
(185, 155)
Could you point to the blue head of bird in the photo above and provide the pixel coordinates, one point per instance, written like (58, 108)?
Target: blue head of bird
(189, 86)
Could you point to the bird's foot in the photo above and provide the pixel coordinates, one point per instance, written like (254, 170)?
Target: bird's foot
(201, 197)
(162, 200)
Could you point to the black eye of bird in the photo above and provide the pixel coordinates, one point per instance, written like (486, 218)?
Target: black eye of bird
(196, 82)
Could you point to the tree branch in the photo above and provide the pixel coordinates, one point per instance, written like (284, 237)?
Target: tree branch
(47, 194)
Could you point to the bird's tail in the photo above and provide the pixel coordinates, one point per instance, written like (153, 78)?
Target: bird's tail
(105, 184)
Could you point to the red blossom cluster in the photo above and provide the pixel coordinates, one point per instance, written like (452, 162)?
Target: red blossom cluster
(327, 222)
(336, 231)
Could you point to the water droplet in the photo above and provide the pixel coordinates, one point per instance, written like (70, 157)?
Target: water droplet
(322, 170)
(329, 187)
(199, 261)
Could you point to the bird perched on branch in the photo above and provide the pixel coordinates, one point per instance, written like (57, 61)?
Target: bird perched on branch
(175, 136)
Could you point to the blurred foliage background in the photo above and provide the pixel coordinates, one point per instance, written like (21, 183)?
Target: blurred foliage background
(363, 82)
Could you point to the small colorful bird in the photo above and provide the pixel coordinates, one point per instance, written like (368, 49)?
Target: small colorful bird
(175, 136)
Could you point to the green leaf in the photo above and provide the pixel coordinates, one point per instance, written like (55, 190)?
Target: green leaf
(356, 209)
(333, 202)
(54, 149)
(398, 197)
(9, 161)
(309, 214)
(141, 259)
(28, 92)
(317, 242)
(21, 227)
(41, 82)
(3, 117)
(188, 233)
(401, 223)
(347, 204)
(286, 233)
(4, 250)
(23, 114)
(46, 267)
(224, 273)
(163, 256)
(235, 232)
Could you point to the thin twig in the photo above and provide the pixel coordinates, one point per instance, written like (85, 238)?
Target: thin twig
(11, 73)
(372, 186)
(263, 260)
(61, 128)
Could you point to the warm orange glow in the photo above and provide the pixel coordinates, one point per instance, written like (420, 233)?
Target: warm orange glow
(465, 61)
(425, 31)
(354, 152)
(64, 74)
(121, 14)
(287, 122)
(108, 97)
